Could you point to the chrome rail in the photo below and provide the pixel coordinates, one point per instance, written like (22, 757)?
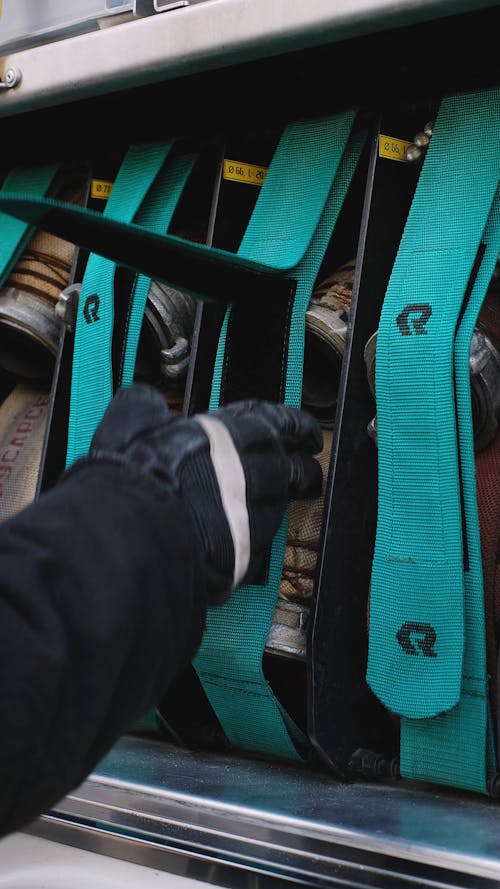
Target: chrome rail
(230, 821)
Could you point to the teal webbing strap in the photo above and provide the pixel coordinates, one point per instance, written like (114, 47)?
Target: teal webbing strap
(426, 640)
(229, 661)
(200, 270)
(155, 215)
(295, 191)
(92, 383)
(457, 747)
(32, 181)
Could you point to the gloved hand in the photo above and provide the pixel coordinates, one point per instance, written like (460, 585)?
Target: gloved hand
(234, 469)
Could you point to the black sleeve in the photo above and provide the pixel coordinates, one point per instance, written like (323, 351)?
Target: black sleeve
(102, 602)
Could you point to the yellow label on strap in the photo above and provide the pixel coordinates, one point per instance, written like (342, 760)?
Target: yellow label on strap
(99, 188)
(247, 173)
(392, 148)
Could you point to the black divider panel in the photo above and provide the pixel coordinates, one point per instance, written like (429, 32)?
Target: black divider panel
(53, 459)
(185, 715)
(252, 370)
(256, 353)
(233, 205)
(344, 715)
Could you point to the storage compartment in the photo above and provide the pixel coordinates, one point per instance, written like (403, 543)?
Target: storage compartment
(186, 791)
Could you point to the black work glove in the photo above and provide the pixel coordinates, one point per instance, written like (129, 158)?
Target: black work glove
(235, 469)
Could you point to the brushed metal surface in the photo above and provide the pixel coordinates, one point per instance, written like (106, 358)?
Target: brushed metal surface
(223, 818)
(198, 38)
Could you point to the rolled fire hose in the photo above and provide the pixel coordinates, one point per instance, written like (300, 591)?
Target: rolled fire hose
(29, 336)
(29, 327)
(326, 328)
(23, 418)
(163, 354)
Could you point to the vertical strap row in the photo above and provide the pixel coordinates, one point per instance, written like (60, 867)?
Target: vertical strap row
(291, 226)
(92, 380)
(427, 657)
(457, 748)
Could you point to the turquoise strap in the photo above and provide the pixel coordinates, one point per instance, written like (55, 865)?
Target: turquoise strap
(155, 215)
(92, 383)
(426, 640)
(33, 182)
(295, 191)
(294, 217)
(457, 747)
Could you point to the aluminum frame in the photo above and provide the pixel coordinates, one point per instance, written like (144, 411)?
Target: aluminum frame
(197, 38)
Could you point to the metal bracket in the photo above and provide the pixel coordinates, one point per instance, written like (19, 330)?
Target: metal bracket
(144, 8)
(11, 79)
(67, 305)
(166, 5)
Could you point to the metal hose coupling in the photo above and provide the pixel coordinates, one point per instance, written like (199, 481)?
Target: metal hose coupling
(38, 299)
(31, 316)
(29, 326)
(484, 367)
(164, 348)
(29, 336)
